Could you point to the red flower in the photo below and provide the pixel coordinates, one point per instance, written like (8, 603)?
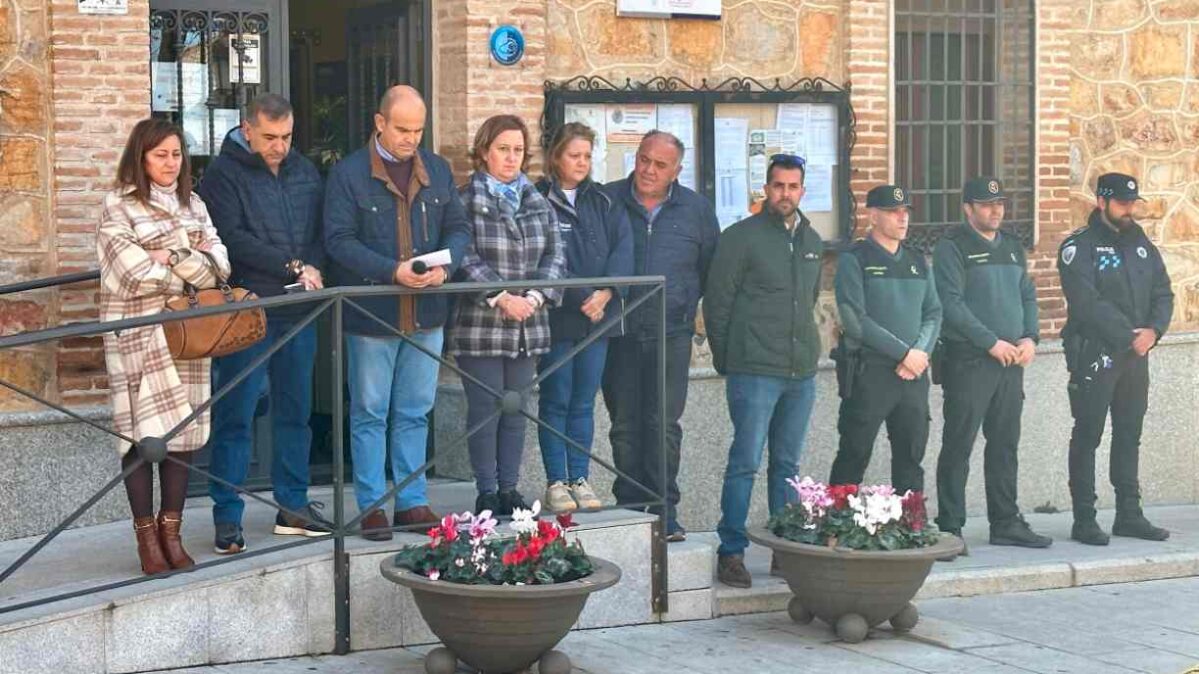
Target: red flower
(434, 537)
(516, 556)
(547, 529)
(566, 521)
(914, 513)
(535, 547)
(841, 493)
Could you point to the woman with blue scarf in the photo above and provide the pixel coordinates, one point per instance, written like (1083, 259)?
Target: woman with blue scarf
(496, 337)
(598, 241)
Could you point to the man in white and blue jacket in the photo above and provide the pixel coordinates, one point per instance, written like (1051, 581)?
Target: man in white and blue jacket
(674, 235)
(385, 204)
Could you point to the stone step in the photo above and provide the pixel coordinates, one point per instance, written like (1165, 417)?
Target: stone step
(275, 605)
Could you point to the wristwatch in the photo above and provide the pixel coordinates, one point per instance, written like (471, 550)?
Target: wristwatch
(295, 268)
(173, 259)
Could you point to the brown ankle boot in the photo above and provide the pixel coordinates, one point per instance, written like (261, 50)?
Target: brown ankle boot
(169, 524)
(149, 549)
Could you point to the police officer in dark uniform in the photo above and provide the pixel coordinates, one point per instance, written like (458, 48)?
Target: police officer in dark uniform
(988, 337)
(1119, 305)
(890, 317)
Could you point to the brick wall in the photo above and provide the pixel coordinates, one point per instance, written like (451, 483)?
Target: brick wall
(869, 73)
(470, 86)
(100, 85)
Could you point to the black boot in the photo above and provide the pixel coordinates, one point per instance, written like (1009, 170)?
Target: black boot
(1017, 532)
(1130, 522)
(1086, 530)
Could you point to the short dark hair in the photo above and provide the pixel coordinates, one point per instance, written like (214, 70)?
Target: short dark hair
(272, 106)
(131, 171)
(489, 131)
(787, 162)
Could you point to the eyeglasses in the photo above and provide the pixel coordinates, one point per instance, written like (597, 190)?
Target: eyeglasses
(788, 160)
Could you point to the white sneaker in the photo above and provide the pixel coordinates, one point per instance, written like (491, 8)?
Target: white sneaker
(584, 495)
(558, 499)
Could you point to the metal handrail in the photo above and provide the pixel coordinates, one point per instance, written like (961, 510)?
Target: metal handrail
(331, 301)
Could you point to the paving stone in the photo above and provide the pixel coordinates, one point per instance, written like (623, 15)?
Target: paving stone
(166, 631)
(264, 615)
(690, 605)
(71, 646)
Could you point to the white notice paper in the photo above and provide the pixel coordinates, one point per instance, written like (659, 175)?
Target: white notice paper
(732, 196)
(818, 188)
(730, 143)
(249, 48)
(678, 120)
(224, 119)
(822, 134)
(103, 6)
(628, 123)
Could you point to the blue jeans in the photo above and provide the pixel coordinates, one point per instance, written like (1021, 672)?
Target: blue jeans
(763, 409)
(567, 403)
(289, 372)
(392, 388)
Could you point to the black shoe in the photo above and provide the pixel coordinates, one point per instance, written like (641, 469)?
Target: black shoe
(1017, 532)
(1136, 526)
(311, 524)
(1088, 532)
(510, 500)
(965, 550)
(229, 539)
(487, 500)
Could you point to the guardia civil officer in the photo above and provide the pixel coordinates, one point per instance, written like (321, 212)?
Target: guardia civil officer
(890, 318)
(988, 337)
(1119, 303)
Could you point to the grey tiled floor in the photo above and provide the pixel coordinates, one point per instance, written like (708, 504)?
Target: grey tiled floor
(1134, 627)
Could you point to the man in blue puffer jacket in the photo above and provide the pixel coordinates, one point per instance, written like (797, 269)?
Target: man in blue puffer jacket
(387, 203)
(674, 235)
(264, 198)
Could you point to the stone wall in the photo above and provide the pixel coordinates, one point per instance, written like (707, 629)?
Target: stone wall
(26, 235)
(1134, 108)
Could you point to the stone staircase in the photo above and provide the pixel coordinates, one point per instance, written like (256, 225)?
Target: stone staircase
(279, 604)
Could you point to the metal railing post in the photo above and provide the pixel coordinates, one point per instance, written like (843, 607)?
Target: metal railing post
(341, 560)
(661, 573)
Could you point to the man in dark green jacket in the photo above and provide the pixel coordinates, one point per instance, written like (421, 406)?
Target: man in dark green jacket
(890, 318)
(758, 315)
(989, 337)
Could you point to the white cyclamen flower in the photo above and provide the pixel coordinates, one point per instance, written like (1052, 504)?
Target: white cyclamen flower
(525, 521)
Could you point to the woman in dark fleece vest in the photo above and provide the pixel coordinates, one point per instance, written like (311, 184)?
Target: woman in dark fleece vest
(598, 242)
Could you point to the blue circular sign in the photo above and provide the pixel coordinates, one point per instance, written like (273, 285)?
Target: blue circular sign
(507, 45)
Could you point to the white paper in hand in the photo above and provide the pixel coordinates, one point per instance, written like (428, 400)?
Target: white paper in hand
(438, 258)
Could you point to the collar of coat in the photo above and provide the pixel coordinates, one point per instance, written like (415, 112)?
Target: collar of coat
(379, 171)
(531, 201)
(553, 192)
(1106, 232)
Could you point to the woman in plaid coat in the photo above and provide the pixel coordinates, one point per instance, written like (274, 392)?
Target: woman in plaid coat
(497, 336)
(154, 235)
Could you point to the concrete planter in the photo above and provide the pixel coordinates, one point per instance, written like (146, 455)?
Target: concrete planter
(854, 590)
(500, 628)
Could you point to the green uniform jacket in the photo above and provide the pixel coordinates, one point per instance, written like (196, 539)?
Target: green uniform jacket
(759, 299)
(984, 288)
(888, 303)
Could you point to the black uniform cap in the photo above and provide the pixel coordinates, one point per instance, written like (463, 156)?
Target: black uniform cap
(888, 197)
(981, 190)
(1118, 186)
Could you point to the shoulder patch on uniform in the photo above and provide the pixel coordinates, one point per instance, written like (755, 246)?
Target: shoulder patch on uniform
(1142, 252)
(1068, 253)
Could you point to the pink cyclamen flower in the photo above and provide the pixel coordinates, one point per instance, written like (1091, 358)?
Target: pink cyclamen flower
(434, 574)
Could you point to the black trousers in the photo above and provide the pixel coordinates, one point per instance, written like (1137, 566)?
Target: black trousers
(1119, 384)
(631, 394)
(979, 393)
(879, 395)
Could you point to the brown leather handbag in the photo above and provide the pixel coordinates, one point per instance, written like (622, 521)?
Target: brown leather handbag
(216, 335)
